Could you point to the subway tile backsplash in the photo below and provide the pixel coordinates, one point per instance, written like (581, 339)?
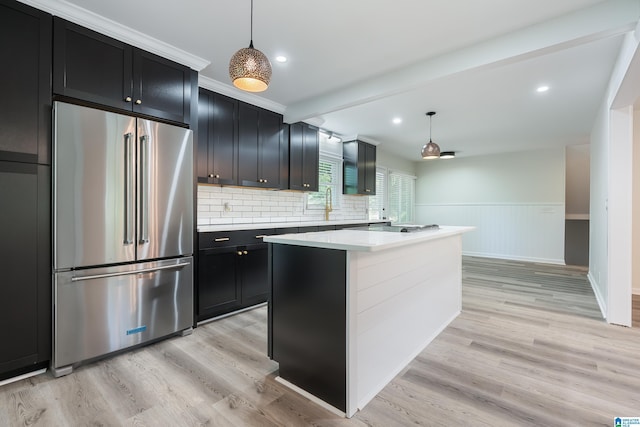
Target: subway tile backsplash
(234, 205)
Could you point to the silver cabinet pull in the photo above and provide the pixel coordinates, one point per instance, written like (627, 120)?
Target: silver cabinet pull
(128, 99)
(221, 239)
(126, 273)
(138, 101)
(128, 190)
(261, 236)
(144, 189)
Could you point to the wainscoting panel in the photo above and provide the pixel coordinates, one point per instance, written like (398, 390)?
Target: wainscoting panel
(528, 232)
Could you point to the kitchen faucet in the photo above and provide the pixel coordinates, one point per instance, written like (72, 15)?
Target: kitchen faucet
(328, 207)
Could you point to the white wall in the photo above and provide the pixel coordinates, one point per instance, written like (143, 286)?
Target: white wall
(610, 261)
(636, 204)
(516, 201)
(394, 163)
(577, 181)
(598, 214)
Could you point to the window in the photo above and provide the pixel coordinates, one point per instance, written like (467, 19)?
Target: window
(329, 176)
(378, 203)
(401, 198)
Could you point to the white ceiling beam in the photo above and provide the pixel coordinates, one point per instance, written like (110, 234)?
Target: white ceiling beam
(604, 19)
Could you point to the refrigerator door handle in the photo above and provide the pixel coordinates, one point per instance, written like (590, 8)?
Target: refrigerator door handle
(128, 190)
(126, 273)
(144, 189)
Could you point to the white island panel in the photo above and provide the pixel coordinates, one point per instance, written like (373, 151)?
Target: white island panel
(404, 298)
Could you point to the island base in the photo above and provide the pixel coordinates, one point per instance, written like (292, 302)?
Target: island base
(343, 323)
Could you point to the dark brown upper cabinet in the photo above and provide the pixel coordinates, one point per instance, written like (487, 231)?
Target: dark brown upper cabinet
(25, 81)
(359, 168)
(259, 147)
(95, 68)
(303, 157)
(217, 139)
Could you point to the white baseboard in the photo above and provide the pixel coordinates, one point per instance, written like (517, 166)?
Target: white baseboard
(514, 258)
(599, 298)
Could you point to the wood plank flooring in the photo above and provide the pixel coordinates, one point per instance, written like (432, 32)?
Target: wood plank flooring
(635, 311)
(529, 348)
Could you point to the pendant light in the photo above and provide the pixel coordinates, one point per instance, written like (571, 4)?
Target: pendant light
(250, 69)
(431, 150)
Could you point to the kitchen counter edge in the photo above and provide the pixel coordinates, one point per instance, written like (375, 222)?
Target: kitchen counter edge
(367, 241)
(260, 225)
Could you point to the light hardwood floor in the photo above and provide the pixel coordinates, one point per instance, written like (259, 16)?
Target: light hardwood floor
(529, 348)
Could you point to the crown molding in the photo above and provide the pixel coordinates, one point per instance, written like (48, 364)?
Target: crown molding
(105, 26)
(362, 138)
(233, 92)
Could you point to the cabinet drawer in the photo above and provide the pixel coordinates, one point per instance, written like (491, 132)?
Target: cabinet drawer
(219, 239)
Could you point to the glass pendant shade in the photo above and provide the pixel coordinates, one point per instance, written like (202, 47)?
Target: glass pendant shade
(431, 150)
(249, 68)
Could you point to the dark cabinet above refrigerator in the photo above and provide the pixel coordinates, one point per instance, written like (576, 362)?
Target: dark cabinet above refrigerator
(93, 67)
(25, 109)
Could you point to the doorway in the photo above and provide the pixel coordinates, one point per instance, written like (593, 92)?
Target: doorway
(576, 239)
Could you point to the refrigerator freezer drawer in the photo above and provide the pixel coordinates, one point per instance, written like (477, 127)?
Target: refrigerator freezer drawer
(98, 311)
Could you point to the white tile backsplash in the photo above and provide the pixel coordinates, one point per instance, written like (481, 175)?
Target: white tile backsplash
(247, 205)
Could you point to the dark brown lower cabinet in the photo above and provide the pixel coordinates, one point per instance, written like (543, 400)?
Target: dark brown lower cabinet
(25, 272)
(232, 277)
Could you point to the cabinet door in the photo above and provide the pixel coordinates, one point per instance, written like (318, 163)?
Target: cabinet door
(369, 169)
(25, 287)
(161, 88)
(25, 112)
(90, 66)
(204, 154)
(218, 284)
(296, 156)
(255, 283)
(310, 158)
(270, 136)
(359, 176)
(223, 142)
(248, 144)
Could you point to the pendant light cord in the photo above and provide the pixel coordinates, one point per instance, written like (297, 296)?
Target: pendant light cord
(429, 124)
(251, 39)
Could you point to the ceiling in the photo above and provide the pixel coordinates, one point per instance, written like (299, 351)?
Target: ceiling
(355, 65)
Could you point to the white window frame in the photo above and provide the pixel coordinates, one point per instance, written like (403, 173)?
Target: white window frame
(380, 214)
(311, 202)
(413, 196)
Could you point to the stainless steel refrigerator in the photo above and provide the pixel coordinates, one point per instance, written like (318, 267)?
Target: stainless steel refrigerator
(123, 233)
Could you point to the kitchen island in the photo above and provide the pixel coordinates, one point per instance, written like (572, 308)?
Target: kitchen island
(349, 309)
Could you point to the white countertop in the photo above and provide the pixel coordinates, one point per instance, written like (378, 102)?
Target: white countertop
(362, 240)
(258, 225)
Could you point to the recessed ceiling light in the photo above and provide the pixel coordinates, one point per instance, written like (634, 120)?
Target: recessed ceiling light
(543, 88)
(397, 120)
(281, 58)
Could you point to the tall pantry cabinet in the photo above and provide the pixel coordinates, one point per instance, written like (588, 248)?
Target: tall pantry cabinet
(25, 189)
